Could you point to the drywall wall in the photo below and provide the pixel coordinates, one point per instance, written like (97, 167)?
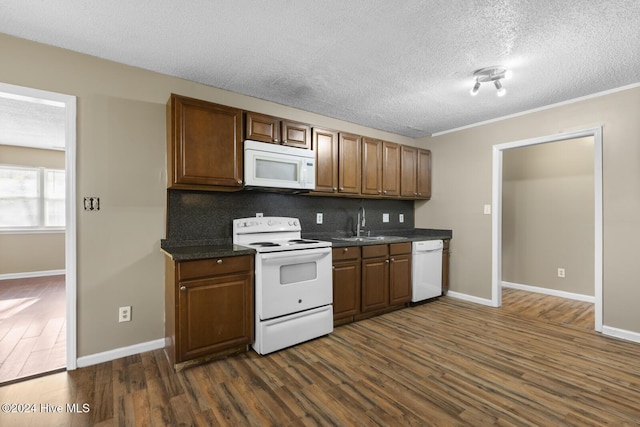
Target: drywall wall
(121, 159)
(33, 252)
(548, 216)
(462, 175)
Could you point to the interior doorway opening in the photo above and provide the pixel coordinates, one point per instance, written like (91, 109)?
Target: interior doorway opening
(37, 232)
(497, 224)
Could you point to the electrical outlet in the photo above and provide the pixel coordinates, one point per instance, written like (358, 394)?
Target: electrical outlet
(319, 218)
(124, 314)
(385, 217)
(259, 215)
(561, 272)
(487, 209)
(401, 218)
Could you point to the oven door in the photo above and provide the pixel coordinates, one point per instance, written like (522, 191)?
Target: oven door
(292, 281)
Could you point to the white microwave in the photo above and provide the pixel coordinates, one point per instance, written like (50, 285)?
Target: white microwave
(276, 166)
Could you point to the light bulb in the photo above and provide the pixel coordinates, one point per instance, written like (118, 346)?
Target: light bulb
(476, 88)
(501, 90)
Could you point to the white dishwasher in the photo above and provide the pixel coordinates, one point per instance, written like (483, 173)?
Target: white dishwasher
(426, 270)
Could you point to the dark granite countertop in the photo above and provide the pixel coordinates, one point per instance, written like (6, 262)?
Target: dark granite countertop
(201, 249)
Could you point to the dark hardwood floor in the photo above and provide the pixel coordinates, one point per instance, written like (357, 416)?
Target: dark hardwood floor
(32, 326)
(445, 363)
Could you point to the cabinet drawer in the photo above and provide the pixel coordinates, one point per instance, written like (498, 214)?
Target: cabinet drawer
(188, 270)
(341, 254)
(400, 248)
(375, 251)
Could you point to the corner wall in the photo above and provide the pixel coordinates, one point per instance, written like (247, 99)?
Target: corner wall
(462, 174)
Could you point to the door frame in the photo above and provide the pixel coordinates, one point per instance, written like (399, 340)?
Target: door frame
(70, 209)
(496, 234)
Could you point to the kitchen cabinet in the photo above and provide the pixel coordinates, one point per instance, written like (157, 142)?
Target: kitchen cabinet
(325, 144)
(261, 127)
(371, 166)
(208, 308)
(390, 169)
(349, 168)
(204, 145)
(386, 276)
(375, 277)
(399, 273)
(338, 157)
(446, 254)
(346, 284)
(415, 172)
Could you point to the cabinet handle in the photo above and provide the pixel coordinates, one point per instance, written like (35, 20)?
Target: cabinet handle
(333, 267)
(393, 260)
(183, 288)
(239, 181)
(334, 189)
(345, 250)
(384, 192)
(380, 191)
(387, 261)
(341, 188)
(419, 194)
(415, 194)
(219, 261)
(277, 141)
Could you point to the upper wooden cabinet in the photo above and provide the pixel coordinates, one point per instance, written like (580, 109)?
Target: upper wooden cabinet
(390, 169)
(372, 166)
(204, 145)
(415, 172)
(260, 127)
(349, 172)
(325, 144)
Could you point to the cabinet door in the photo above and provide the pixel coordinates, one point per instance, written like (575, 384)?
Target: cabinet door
(375, 284)
(390, 169)
(446, 254)
(399, 279)
(205, 143)
(408, 171)
(325, 144)
(261, 127)
(349, 153)
(424, 174)
(296, 134)
(346, 289)
(214, 314)
(371, 166)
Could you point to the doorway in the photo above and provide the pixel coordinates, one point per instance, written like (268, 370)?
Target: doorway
(37, 232)
(595, 135)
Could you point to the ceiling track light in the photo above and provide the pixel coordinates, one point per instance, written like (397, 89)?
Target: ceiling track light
(491, 74)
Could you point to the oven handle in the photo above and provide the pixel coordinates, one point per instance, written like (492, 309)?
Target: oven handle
(299, 256)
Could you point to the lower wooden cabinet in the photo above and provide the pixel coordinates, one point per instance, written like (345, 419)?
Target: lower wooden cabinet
(369, 280)
(208, 308)
(346, 284)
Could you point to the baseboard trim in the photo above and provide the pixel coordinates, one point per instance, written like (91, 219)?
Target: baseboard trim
(470, 298)
(117, 353)
(553, 292)
(621, 333)
(30, 274)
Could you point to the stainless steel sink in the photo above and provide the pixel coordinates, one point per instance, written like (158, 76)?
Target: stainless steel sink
(371, 238)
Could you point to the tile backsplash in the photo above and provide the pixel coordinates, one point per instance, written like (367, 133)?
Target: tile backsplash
(203, 215)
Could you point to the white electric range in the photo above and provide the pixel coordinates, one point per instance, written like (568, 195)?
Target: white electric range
(293, 282)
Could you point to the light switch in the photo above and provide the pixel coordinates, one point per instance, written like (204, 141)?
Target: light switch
(487, 209)
(385, 217)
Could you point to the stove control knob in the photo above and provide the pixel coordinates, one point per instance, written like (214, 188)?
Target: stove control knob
(270, 223)
(295, 222)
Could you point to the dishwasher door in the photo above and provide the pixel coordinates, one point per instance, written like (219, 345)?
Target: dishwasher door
(426, 270)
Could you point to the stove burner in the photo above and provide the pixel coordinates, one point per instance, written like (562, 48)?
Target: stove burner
(264, 244)
(301, 241)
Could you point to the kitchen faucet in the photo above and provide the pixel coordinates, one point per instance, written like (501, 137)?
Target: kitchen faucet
(361, 220)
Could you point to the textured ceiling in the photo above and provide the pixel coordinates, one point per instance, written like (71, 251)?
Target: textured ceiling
(404, 66)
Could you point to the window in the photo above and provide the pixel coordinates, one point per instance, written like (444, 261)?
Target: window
(31, 198)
